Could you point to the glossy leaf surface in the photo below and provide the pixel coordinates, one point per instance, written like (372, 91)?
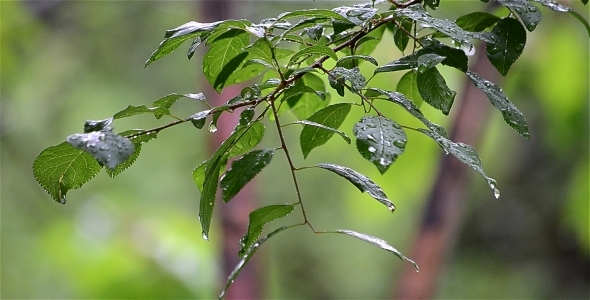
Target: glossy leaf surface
(379, 140)
(107, 147)
(434, 90)
(509, 45)
(529, 14)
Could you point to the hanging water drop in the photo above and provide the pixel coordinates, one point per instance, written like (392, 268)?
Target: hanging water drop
(205, 237)
(212, 127)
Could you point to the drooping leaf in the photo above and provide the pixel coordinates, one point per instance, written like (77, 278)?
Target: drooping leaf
(313, 136)
(107, 147)
(529, 14)
(404, 102)
(465, 153)
(200, 118)
(306, 24)
(408, 85)
(362, 182)
(433, 4)
(452, 57)
(61, 168)
(511, 114)
(248, 253)
(379, 243)
(258, 219)
(138, 140)
(199, 175)
(434, 90)
(509, 45)
(175, 37)
(562, 8)
(312, 50)
(242, 171)
(318, 125)
(400, 36)
(306, 104)
(379, 140)
(226, 53)
(194, 45)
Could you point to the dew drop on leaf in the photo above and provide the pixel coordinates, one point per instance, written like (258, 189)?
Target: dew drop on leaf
(212, 127)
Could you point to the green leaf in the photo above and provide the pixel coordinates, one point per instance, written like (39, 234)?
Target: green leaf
(248, 140)
(452, 57)
(404, 102)
(306, 24)
(340, 75)
(226, 53)
(529, 14)
(408, 85)
(379, 140)
(142, 109)
(329, 120)
(242, 171)
(345, 59)
(477, 21)
(400, 37)
(195, 44)
(434, 90)
(258, 219)
(379, 243)
(312, 50)
(403, 63)
(317, 13)
(245, 258)
(199, 118)
(97, 125)
(562, 8)
(138, 140)
(433, 4)
(164, 103)
(107, 147)
(356, 14)
(428, 61)
(509, 45)
(362, 182)
(449, 28)
(199, 175)
(511, 114)
(296, 90)
(175, 37)
(465, 153)
(61, 168)
(318, 125)
(304, 105)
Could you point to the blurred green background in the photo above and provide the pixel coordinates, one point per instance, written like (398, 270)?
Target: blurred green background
(138, 236)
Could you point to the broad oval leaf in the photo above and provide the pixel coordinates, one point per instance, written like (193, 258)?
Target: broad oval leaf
(464, 153)
(408, 85)
(434, 90)
(379, 243)
(529, 14)
(313, 136)
(379, 140)
(258, 219)
(226, 53)
(107, 147)
(510, 39)
(61, 168)
(313, 50)
(242, 171)
(138, 138)
(400, 36)
(362, 182)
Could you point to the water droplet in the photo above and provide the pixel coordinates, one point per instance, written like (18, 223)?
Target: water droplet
(371, 137)
(496, 193)
(400, 144)
(372, 149)
(382, 161)
(74, 137)
(532, 9)
(391, 208)
(205, 237)
(212, 127)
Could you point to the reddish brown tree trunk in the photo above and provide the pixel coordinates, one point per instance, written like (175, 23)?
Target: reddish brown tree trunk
(444, 209)
(234, 215)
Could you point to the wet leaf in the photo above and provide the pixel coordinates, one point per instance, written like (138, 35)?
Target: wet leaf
(355, 58)
(163, 105)
(340, 75)
(312, 50)
(509, 45)
(379, 140)
(97, 125)
(107, 147)
(200, 118)
(511, 114)
(477, 21)
(356, 14)
(242, 171)
(529, 14)
(434, 90)
(429, 60)
(138, 141)
(141, 109)
(312, 13)
(329, 118)
(562, 8)
(408, 85)
(464, 153)
(362, 182)
(400, 36)
(61, 168)
(258, 219)
(379, 243)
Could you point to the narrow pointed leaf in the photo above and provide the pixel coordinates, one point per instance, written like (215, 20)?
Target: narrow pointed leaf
(258, 219)
(242, 171)
(356, 14)
(348, 58)
(464, 153)
(529, 14)
(509, 45)
(245, 258)
(404, 63)
(313, 50)
(298, 89)
(318, 13)
(379, 243)
(61, 168)
(511, 114)
(408, 85)
(362, 182)
(199, 175)
(379, 140)
(138, 141)
(434, 90)
(313, 136)
(107, 147)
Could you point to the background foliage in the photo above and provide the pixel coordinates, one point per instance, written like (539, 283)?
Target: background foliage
(142, 228)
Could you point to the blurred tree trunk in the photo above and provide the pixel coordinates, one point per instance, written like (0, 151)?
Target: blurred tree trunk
(234, 215)
(442, 218)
